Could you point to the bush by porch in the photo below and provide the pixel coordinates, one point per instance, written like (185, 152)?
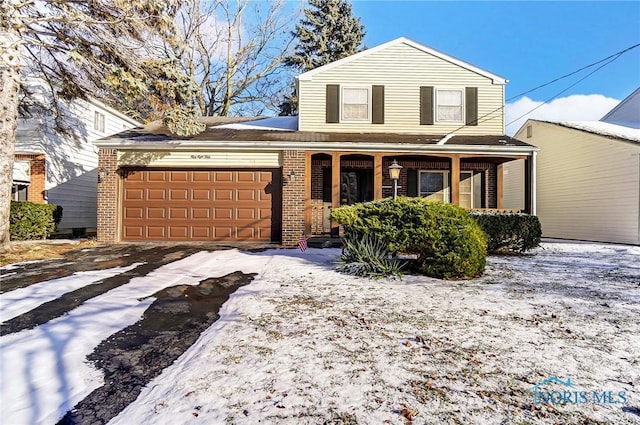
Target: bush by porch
(446, 241)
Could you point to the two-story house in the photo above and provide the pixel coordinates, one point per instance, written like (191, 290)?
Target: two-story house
(439, 118)
(58, 164)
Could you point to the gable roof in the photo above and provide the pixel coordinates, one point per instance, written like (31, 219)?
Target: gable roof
(403, 40)
(627, 112)
(606, 129)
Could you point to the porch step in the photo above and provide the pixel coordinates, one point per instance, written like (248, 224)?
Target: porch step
(324, 242)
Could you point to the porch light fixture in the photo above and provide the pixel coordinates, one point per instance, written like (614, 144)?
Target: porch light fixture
(102, 174)
(394, 173)
(292, 176)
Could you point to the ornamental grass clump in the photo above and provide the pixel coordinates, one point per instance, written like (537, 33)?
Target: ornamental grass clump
(443, 238)
(368, 257)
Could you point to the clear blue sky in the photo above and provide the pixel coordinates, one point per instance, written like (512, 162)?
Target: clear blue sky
(529, 43)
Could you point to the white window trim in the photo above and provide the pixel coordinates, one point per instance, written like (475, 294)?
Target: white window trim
(369, 99)
(99, 121)
(462, 105)
(471, 174)
(445, 179)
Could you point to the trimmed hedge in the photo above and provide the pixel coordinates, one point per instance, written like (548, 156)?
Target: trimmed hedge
(33, 221)
(448, 243)
(509, 233)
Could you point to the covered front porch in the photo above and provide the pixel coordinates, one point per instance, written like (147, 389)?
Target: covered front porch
(473, 181)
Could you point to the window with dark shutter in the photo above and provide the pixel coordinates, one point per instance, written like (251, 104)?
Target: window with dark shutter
(426, 105)
(333, 105)
(377, 105)
(471, 105)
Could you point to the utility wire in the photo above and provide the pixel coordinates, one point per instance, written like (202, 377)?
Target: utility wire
(572, 85)
(608, 60)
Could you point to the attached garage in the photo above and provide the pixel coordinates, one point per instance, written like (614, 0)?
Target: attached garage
(201, 204)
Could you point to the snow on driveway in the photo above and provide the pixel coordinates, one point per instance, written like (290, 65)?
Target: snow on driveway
(304, 344)
(43, 371)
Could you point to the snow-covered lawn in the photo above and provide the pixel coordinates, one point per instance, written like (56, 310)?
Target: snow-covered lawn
(304, 344)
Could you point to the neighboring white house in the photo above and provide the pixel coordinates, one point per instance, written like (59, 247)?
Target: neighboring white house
(70, 176)
(588, 176)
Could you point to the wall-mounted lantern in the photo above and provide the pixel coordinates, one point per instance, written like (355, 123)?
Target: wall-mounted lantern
(102, 174)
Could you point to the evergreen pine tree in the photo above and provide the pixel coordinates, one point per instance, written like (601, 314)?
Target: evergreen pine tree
(328, 32)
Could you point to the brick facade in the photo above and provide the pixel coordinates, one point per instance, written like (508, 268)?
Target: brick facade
(292, 197)
(36, 191)
(108, 196)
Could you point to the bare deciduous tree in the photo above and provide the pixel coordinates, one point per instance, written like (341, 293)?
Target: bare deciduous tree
(82, 48)
(234, 50)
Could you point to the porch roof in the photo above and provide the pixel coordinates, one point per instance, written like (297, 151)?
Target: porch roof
(216, 132)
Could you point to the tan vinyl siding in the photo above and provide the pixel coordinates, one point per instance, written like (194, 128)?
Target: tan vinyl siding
(201, 159)
(588, 185)
(402, 70)
(513, 184)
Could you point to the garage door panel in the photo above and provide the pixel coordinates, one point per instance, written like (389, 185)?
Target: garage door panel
(245, 195)
(153, 213)
(156, 176)
(179, 176)
(155, 194)
(201, 194)
(201, 232)
(201, 176)
(245, 213)
(200, 213)
(199, 204)
(178, 194)
(133, 194)
(134, 212)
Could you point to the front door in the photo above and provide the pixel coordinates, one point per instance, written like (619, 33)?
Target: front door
(356, 186)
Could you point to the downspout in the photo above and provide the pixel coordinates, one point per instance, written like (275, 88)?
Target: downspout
(534, 184)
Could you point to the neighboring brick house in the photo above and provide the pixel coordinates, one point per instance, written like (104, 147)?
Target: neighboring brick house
(60, 166)
(439, 118)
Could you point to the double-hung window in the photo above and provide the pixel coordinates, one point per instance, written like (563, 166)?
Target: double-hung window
(356, 102)
(449, 104)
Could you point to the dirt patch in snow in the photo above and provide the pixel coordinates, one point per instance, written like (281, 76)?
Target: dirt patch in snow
(138, 353)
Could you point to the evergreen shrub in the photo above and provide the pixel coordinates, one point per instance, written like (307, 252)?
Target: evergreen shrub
(444, 239)
(29, 221)
(509, 233)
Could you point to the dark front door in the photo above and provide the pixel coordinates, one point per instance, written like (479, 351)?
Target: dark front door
(356, 186)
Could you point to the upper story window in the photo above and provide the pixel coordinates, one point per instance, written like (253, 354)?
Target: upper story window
(98, 121)
(449, 104)
(355, 103)
(360, 104)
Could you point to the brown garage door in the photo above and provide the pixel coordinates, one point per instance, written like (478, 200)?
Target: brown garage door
(201, 205)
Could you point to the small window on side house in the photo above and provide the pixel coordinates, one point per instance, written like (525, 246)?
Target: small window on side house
(98, 122)
(529, 132)
(355, 104)
(449, 105)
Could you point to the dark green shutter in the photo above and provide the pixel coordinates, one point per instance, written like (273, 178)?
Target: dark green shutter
(426, 105)
(471, 105)
(333, 105)
(412, 182)
(377, 107)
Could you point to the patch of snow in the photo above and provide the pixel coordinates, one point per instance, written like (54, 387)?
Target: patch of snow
(272, 123)
(19, 301)
(605, 129)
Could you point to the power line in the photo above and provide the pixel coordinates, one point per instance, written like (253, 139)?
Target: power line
(608, 60)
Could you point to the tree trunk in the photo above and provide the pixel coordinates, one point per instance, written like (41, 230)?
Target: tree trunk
(9, 85)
